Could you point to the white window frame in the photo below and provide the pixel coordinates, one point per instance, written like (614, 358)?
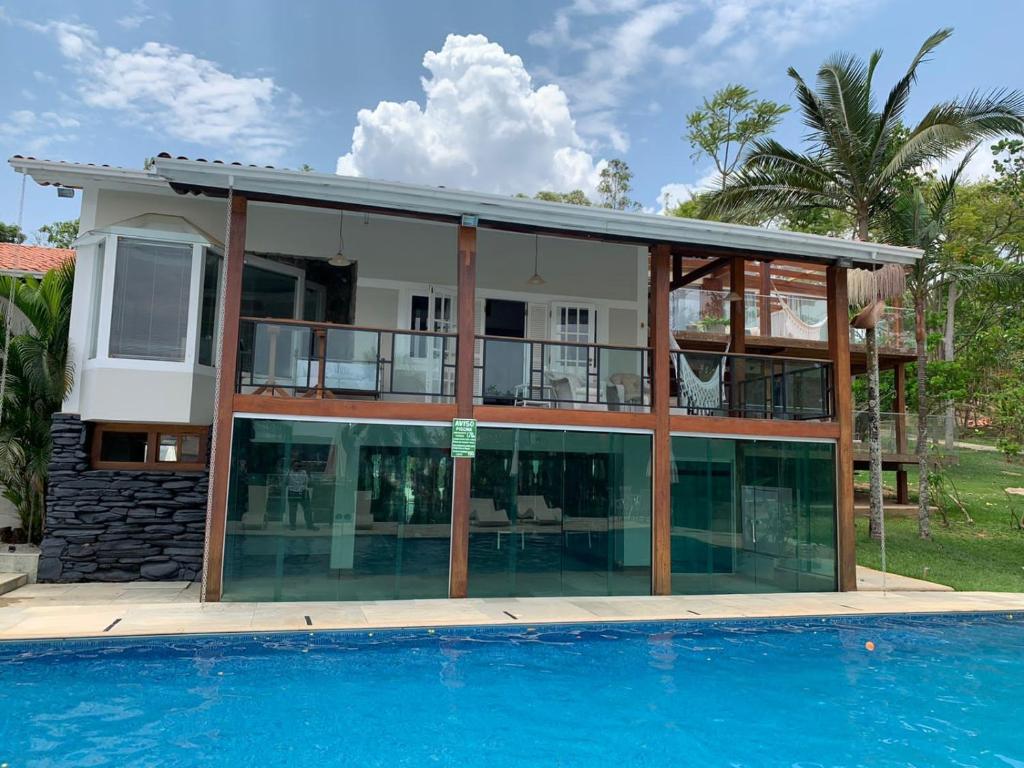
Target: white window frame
(103, 358)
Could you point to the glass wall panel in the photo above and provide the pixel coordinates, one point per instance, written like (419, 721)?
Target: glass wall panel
(560, 513)
(334, 511)
(752, 516)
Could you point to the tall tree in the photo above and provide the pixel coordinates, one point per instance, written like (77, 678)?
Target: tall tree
(60, 234)
(615, 185)
(11, 233)
(727, 124)
(859, 160)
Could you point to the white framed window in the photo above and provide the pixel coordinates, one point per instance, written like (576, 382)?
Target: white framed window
(149, 308)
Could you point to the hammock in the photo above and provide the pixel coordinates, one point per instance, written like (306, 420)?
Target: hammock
(699, 395)
(794, 326)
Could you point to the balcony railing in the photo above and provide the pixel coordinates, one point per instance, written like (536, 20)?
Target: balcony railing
(558, 374)
(293, 358)
(888, 431)
(790, 316)
(752, 386)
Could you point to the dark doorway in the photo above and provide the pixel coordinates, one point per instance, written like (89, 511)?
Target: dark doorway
(504, 361)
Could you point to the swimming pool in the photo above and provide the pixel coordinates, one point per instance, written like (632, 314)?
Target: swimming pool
(937, 690)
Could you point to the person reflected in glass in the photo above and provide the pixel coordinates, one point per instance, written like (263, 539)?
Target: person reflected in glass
(299, 495)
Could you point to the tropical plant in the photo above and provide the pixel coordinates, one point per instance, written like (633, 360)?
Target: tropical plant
(861, 158)
(727, 123)
(614, 186)
(38, 376)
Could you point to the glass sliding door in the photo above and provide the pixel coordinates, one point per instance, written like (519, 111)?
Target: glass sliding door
(557, 512)
(334, 511)
(752, 516)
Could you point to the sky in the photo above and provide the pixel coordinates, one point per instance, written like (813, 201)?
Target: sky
(496, 97)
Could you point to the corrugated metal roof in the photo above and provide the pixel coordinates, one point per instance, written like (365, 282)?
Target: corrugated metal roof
(497, 211)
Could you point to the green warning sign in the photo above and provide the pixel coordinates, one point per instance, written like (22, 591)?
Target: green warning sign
(463, 438)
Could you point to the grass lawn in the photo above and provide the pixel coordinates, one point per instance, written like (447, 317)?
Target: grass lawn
(985, 555)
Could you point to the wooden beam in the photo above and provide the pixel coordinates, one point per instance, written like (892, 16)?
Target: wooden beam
(458, 574)
(724, 426)
(345, 409)
(661, 514)
(562, 417)
(839, 353)
(709, 268)
(220, 445)
(900, 406)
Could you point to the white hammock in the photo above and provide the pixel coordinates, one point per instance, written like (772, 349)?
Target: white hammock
(794, 326)
(698, 393)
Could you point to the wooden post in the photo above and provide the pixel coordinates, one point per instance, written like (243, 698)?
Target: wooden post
(220, 446)
(458, 574)
(737, 309)
(765, 305)
(900, 406)
(661, 514)
(839, 354)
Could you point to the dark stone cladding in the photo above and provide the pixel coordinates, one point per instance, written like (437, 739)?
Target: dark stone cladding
(123, 525)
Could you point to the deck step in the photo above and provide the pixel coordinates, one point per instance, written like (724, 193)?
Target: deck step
(11, 581)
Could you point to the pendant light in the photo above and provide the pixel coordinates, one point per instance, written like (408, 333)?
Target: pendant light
(340, 259)
(536, 279)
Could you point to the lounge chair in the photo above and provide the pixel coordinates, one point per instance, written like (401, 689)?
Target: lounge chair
(536, 508)
(483, 513)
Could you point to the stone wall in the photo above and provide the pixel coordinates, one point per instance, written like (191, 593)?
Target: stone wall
(105, 525)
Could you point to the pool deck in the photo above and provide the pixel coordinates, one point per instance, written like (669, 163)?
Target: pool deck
(173, 608)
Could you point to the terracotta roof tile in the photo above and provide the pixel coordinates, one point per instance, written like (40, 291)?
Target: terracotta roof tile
(32, 258)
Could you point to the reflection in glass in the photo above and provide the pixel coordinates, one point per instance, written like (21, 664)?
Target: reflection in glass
(560, 513)
(752, 516)
(371, 505)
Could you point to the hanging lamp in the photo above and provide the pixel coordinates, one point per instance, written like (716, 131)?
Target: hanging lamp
(340, 259)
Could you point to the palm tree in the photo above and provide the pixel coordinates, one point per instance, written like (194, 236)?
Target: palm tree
(860, 158)
(38, 377)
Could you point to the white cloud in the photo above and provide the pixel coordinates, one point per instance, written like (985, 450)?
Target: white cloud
(179, 95)
(482, 126)
(672, 194)
(978, 167)
(615, 47)
(35, 132)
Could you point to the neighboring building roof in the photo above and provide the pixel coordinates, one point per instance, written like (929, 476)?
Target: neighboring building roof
(495, 211)
(32, 259)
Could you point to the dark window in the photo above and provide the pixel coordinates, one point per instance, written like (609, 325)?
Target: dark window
(124, 446)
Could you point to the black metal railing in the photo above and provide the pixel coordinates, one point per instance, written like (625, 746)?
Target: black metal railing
(295, 358)
(752, 386)
(561, 374)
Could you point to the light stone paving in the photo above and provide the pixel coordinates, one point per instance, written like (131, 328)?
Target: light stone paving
(108, 610)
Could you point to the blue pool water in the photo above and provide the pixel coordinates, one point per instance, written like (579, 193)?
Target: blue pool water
(935, 691)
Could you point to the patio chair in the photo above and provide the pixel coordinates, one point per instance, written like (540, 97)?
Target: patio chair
(483, 513)
(536, 508)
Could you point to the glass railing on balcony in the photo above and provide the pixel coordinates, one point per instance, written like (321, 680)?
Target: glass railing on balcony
(553, 374)
(751, 386)
(291, 358)
(895, 330)
(789, 316)
(889, 431)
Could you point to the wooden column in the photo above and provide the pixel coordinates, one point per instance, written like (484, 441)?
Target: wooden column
(765, 302)
(737, 314)
(661, 517)
(839, 354)
(459, 565)
(227, 365)
(900, 406)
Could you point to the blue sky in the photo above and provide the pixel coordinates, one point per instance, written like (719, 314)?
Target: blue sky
(502, 97)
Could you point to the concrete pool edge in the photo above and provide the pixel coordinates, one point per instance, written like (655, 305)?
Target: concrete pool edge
(368, 637)
(20, 620)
